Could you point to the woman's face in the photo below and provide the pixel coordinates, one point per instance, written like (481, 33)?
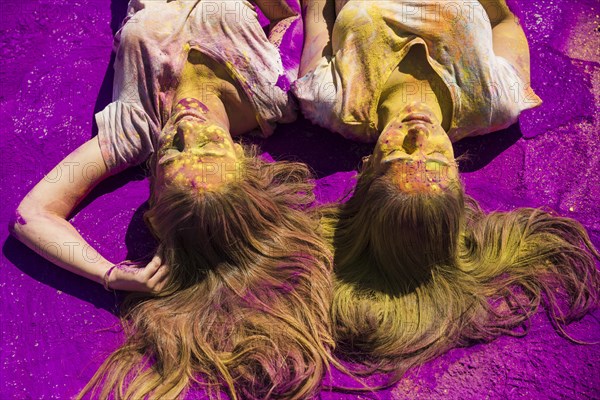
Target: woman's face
(415, 151)
(197, 153)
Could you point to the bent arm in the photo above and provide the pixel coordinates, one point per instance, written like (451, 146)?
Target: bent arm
(319, 18)
(41, 221)
(275, 10)
(509, 41)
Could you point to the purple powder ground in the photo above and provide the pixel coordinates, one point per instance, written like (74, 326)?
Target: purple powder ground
(56, 72)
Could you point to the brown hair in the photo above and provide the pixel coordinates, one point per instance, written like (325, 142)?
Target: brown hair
(247, 304)
(418, 274)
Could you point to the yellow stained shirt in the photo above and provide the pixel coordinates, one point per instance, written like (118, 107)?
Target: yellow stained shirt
(369, 40)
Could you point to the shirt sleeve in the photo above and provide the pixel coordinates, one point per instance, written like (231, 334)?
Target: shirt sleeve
(511, 96)
(320, 95)
(125, 134)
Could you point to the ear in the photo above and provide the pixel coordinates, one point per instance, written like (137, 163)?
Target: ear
(239, 150)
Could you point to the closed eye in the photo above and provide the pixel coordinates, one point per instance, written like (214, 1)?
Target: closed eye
(439, 158)
(401, 159)
(442, 162)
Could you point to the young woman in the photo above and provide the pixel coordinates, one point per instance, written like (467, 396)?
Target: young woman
(244, 302)
(419, 267)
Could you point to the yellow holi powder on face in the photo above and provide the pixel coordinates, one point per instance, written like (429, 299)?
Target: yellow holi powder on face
(207, 160)
(180, 178)
(168, 138)
(385, 148)
(207, 186)
(184, 125)
(391, 139)
(177, 164)
(413, 177)
(201, 175)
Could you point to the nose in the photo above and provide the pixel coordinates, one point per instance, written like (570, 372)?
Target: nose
(415, 139)
(184, 128)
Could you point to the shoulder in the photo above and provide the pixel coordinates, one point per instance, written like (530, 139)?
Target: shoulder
(496, 10)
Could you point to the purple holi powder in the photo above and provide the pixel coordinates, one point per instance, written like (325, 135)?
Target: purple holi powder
(57, 73)
(17, 219)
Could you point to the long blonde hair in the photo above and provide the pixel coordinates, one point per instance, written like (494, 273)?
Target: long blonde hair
(247, 304)
(419, 274)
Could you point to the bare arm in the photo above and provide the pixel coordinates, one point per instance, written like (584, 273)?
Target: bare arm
(509, 40)
(319, 17)
(496, 10)
(41, 222)
(275, 10)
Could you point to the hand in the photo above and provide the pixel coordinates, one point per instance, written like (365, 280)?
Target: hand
(132, 277)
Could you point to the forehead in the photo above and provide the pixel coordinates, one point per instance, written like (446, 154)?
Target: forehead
(420, 175)
(428, 167)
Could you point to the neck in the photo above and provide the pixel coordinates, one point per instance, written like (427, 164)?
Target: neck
(414, 82)
(397, 102)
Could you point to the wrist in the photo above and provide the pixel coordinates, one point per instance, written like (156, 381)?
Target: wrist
(108, 277)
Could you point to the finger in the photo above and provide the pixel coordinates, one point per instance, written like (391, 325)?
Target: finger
(155, 262)
(151, 268)
(160, 273)
(159, 279)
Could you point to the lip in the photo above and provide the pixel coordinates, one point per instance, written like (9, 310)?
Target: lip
(395, 154)
(189, 113)
(417, 117)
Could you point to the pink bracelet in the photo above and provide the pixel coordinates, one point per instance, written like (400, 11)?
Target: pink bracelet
(106, 276)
